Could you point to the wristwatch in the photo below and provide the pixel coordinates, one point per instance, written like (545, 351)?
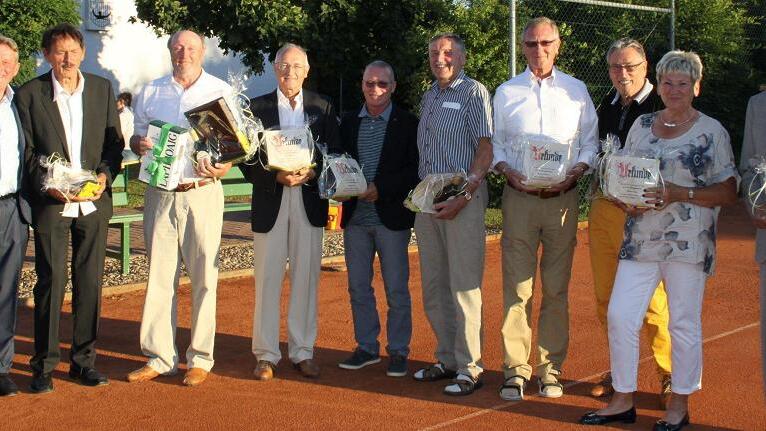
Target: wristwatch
(468, 196)
(690, 193)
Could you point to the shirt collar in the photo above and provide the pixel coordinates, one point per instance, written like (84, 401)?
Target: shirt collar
(534, 80)
(58, 89)
(283, 100)
(202, 77)
(386, 114)
(8, 96)
(640, 97)
(455, 82)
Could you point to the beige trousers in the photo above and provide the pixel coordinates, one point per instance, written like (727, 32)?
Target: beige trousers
(452, 266)
(181, 226)
(293, 238)
(529, 221)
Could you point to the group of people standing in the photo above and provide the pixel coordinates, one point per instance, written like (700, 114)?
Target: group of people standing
(648, 264)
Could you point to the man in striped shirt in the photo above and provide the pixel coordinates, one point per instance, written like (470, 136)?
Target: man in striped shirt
(454, 135)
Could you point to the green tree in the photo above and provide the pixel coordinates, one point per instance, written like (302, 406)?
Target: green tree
(25, 21)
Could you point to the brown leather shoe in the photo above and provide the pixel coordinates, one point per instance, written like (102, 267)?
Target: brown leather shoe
(666, 391)
(143, 374)
(195, 376)
(264, 370)
(604, 387)
(308, 368)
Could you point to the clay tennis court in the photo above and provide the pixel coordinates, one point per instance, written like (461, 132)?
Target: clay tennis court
(732, 395)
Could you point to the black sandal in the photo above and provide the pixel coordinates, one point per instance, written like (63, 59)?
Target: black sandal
(510, 384)
(466, 386)
(433, 373)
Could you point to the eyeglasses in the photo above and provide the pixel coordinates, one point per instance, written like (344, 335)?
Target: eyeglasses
(284, 67)
(543, 43)
(380, 84)
(628, 67)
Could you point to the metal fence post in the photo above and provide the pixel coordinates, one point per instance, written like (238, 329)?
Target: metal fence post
(513, 38)
(672, 25)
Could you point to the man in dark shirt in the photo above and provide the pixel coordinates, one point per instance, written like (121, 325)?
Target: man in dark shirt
(633, 96)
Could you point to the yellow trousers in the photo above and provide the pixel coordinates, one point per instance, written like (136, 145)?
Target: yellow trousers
(606, 224)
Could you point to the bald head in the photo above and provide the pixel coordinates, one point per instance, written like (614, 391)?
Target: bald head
(187, 51)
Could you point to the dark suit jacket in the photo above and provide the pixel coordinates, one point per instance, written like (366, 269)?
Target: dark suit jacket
(102, 141)
(397, 168)
(267, 192)
(22, 180)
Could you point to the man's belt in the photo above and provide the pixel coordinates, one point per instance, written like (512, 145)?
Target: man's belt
(9, 196)
(194, 185)
(544, 194)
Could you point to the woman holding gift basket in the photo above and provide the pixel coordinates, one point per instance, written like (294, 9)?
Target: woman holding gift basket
(670, 238)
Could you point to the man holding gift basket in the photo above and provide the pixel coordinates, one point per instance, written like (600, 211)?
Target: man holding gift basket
(545, 130)
(454, 137)
(288, 216)
(183, 213)
(70, 118)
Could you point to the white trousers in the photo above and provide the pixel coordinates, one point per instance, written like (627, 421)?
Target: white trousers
(293, 238)
(181, 225)
(634, 286)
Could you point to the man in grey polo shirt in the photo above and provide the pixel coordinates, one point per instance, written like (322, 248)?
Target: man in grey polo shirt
(454, 134)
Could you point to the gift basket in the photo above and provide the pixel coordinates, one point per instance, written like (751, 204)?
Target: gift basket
(341, 176)
(624, 175)
(544, 160)
(288, 148)
(70, 181)
(756, 189)
(434, 189)
(161, 167)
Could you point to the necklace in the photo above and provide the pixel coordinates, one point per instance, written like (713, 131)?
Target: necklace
(672, 125)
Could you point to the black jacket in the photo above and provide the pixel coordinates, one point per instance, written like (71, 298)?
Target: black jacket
(609, 115)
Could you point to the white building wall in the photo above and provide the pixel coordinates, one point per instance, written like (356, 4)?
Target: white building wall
(131, 54)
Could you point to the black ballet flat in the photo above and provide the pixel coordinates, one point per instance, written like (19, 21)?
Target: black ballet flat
(661, 425)
(627, 417)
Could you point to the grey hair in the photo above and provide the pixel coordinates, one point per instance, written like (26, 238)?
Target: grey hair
(288, 46)
(454, 37)
(625, 43)
(677, 61)
(175, 35)
(10, 43)
(541, 20)
(383, 65)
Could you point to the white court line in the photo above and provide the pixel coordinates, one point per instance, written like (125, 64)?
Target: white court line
(572, 383)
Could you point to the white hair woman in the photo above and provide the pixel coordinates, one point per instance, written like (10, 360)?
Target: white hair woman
(674, 241)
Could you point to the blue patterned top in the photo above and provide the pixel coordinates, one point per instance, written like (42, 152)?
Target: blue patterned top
(682, 231)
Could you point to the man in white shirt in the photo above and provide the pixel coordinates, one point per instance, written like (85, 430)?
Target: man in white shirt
(124, 101)
(288, 218)
(73, 115)
(14, 211)
(180, 225)
(540, 101)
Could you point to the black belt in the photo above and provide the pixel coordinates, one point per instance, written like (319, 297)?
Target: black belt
(9, 196)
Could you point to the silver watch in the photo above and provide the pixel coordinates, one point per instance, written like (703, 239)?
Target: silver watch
(690, 193)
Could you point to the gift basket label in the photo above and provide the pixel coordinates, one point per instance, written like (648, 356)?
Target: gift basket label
(627, 177)
(161, 167)
(220, 135)
(288, 149)
(341, 177)
(434, 189)
(545, 161)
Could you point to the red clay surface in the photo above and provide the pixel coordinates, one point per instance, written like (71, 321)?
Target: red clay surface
(732, 397)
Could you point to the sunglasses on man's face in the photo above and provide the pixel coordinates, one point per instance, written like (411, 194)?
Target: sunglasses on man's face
(380, 84)
(543, 43)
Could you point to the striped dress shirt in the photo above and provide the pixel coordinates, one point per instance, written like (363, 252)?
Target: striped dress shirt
(372, 133)
(451, 122)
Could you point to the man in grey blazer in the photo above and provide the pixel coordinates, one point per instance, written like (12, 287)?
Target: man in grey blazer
(754, 145)
(14, 211)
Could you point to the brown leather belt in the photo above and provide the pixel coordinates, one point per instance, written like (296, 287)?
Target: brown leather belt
(185, 187)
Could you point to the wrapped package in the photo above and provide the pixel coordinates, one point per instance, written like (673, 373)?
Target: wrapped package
(434, 189)
(288, 149)
(162, 166)
(219, 134)
(545, 160)
(341, 177)
(70, 181)
(626, 177)
(756, 189)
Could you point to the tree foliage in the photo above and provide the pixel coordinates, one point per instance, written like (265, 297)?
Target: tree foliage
(24, 21)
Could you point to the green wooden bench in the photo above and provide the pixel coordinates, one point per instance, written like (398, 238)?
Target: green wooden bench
(234, 185)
